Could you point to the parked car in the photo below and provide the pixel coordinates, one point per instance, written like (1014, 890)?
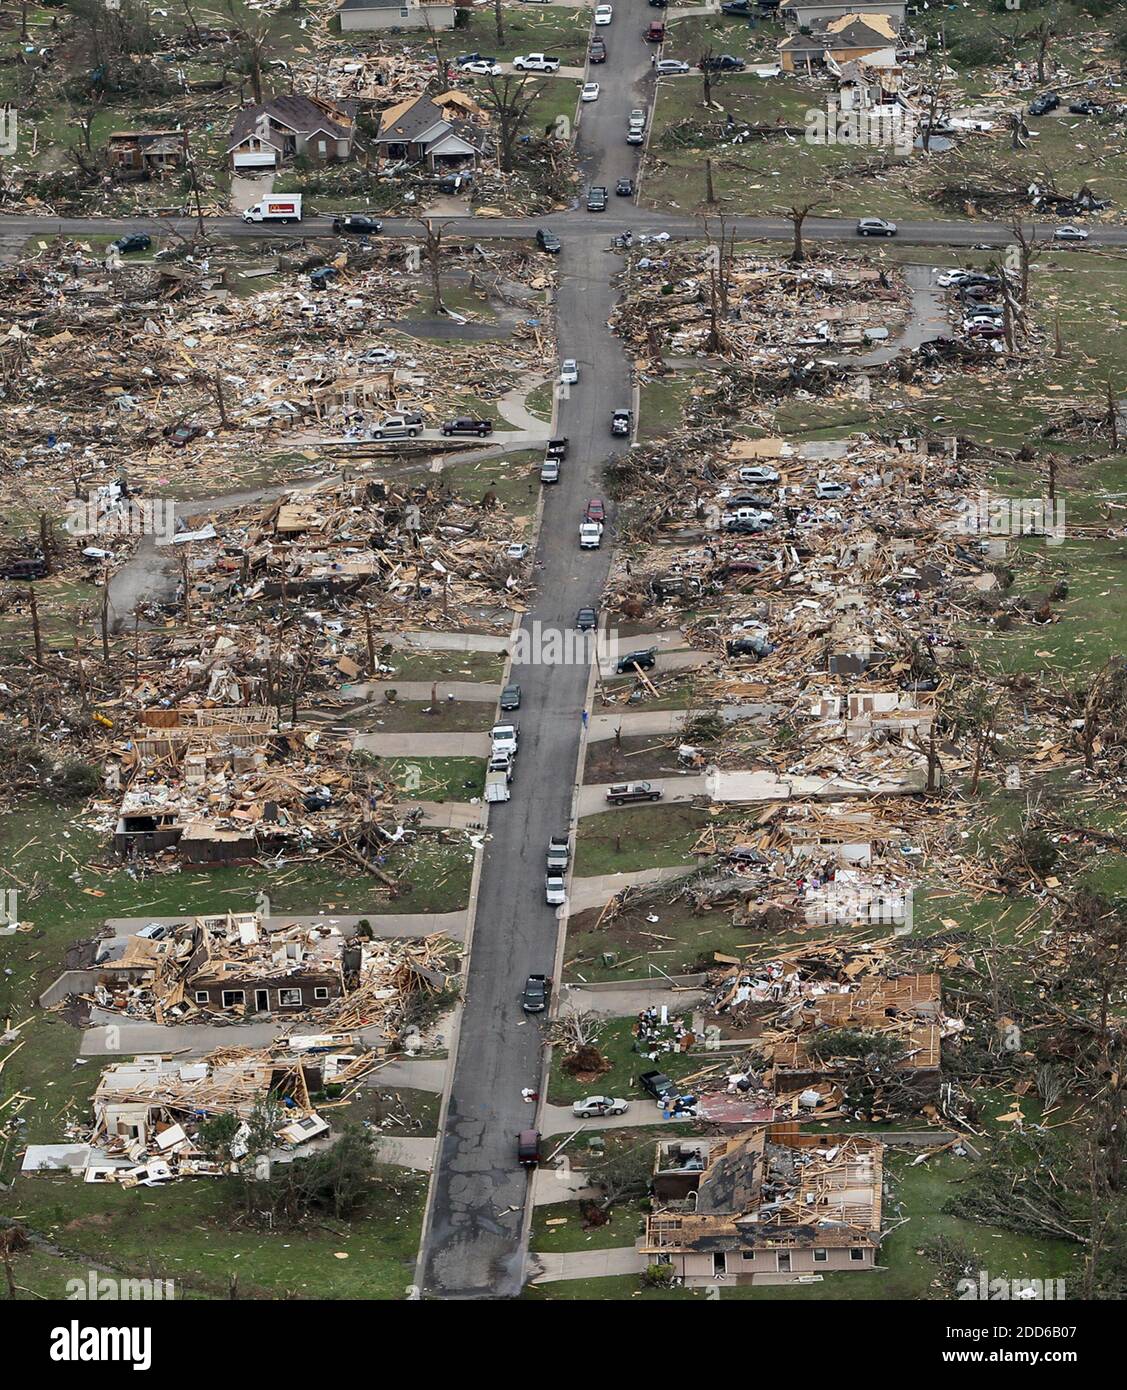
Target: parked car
(738, 7)
(604, 14)
(500, 764)
(550, 471)
(671, 67)
(528, 1148)
(645, 661)
(875, 226)
(135, 241)
(536, 62)
(559, 851)
(623, 792)
(589, 92)
(463, 58)
(655, 32)
(1042, 105)
(482, 67)
(624, 188)
(398, 426)
(28, 568)
(155, 931)
(569, 371)
(592, 1107)
(510, 697)
(827, 488)
(537, 990)
(595, 510)
(555, 889)
(622, 422)
(181, 435)
(758, 473)
(749, 646)
(596, 198)
(635, 135)
(1085, 108)
(557, 447)
(590, 535)
(354, 224)
(504, 738)
(597, 52)
(548, 241)
(637, 117)
(657, 1084)
(1070, 233)
(468, 424)
(516, 550)
(722, 62)
(587, 619)
(380, 357)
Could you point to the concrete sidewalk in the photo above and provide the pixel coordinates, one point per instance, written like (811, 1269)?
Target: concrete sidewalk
(449, 815)
(585, 1264)
(424, 745)
(416, 1073)
(406, 1153)
(474, 692)
(592, 798)
(444, 641)
(393, 924)
(594, 891)
(618, 1003)
(640, 722)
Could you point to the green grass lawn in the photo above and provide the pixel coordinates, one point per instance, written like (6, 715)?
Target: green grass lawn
(558, 1228)
(436, 779)
(419, 716)
(638, 837)
(484, 667)
(616, 1043)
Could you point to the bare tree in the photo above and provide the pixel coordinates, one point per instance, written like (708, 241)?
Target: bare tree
(510, 99)
(253, 36)
(432, 251)
(796, 215)
(1026, 238)
(435, 40)
(499, 20)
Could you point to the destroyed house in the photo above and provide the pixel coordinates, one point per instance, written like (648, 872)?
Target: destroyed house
(853, 36)
(147, 153)
(419, 131)
(240, 964)
(767, 1202)
(363, 15)
(274, 131)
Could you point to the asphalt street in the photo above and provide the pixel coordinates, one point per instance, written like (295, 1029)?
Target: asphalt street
(474, 1242)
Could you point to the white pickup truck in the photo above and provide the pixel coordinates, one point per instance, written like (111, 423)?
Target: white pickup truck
(554, 890)
(536, 62)
(504, 739)
(590, 535)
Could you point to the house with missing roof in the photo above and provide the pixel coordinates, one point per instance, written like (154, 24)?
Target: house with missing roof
(810, 14)
(146, 154)
(420, 131)
(873, 37)
(767, 1205)
(359, 15)
(265, 136)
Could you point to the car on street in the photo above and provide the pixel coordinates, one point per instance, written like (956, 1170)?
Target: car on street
(722, 62)
(181, 435)
(635, 135)
(559, 851)
(505, 738)
(1070, 233)
(587, 619)
(593, 1107)
(622, 793)
(528, 1148)
(657, 1084)
(136, 241)
(604, 14)
(624, 188)
(597, 52)
(398, 426)
(595, 510)
(468, 424)
(636, 117)
(655, 32)
(510, 697)
(590, 92)
(875, 226)
(557, 447)
(569, 371)
(622, 422)
(1042, 105)
(644, 661)
(548, 241)
(671, 67)
(590, 535)
(550, 471)
(555, 889)
(354, 224)
(537, 989)
(596, 198)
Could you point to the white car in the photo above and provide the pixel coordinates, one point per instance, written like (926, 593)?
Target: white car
(1070, 233)
(758, 473)
(480, 68)
(591, 1106)
(380, 357)
(831, 489)
(604, 14)
(671, 67)
(569, 371)
(517, 551)
(590, 92)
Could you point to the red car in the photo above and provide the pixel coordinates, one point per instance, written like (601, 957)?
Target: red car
(595, 510)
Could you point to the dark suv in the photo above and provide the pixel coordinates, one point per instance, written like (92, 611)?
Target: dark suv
(1042, 105)
(548, 241)
(597, 199)
(25, 569)
(359, 226)
(537, 988)
(645, 661)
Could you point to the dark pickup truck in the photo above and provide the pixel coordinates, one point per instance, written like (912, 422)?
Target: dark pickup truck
(657, 1084)
(597, 199)
(623, 792)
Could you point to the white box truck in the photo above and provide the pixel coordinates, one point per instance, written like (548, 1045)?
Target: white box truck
(275, 207)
